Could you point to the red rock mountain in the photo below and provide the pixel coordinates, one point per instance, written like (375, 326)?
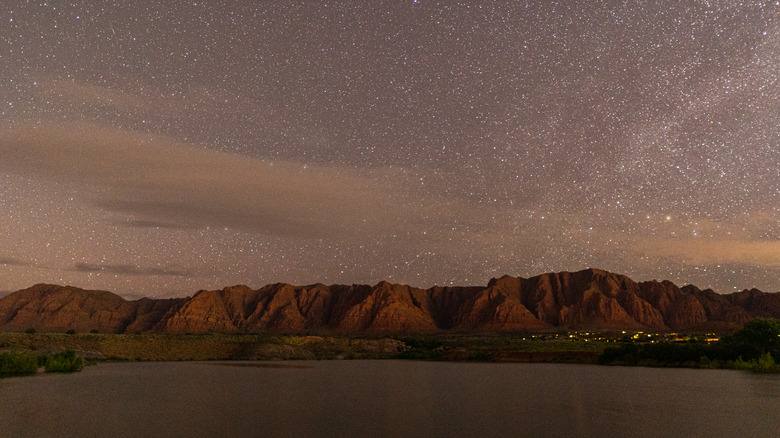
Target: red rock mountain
(589, 300)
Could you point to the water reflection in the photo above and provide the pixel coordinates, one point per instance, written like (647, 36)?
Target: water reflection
(389, 398)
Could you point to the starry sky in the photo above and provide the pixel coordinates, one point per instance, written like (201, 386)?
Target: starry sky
(158, 148)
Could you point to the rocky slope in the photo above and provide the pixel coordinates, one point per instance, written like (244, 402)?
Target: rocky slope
(588, 300)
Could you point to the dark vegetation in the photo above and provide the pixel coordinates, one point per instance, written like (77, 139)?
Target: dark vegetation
(17, 364)
(65, 362)
(510, 347)
(206, 346)
(504, 347)
(23, 364)
(421, 348)
(756, 347)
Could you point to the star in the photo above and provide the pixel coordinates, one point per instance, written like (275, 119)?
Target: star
(155, 150)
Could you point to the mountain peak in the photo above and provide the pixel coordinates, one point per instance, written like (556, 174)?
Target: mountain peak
(592, 299)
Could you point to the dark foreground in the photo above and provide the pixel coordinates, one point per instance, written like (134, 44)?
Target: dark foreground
(389, 398)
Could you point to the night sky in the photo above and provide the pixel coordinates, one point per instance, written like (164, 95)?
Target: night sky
(156, 148)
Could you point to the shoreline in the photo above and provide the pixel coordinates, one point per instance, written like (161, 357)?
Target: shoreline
(492, 348)
(268, 346)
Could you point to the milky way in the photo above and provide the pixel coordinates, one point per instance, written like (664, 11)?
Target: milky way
(157, 148)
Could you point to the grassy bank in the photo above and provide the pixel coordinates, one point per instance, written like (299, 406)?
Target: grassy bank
(755, 347)
(500, 348)
(156, 347)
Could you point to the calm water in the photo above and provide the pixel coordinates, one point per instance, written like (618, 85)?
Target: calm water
(388, 398)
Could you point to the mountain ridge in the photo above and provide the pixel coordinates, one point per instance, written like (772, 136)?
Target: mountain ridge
(591, 299)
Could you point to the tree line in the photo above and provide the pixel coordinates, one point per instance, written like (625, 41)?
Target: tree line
(755, 346)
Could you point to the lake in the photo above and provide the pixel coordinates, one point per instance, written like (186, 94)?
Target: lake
(388, 398)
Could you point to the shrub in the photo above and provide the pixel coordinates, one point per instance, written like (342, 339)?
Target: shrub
(740, 364)
(627, 353)
(420, 348)
(15, 364)
(30, 331)
(65, 362)
(766, 363)
(70, 332)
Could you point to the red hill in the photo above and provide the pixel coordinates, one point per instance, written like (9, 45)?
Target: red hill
(587, 300)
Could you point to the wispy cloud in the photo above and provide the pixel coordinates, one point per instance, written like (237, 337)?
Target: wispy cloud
(700, 251)
(130, 270)
(8, 261)
(156, 181)
(75, 92)
(139, 223)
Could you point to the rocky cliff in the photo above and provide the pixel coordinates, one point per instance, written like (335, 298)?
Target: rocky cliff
(587, 300)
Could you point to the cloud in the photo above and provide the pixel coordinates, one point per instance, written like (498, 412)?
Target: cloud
(12, 262)
(155, 180)
(129, 270)
(699, 251)
(152, 100)
(138, 223)
(75, 92)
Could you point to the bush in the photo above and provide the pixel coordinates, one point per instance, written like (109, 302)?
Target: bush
(15, 364)
(70, 332)
(755, 339)
(627, 353)
(30, 331)
(764, 364)
(420, 348)
(65, 362)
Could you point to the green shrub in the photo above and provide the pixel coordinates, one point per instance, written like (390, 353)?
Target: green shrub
(70, 332)
(764, 364)
(15, 364)
(65, 362)
(30, 331)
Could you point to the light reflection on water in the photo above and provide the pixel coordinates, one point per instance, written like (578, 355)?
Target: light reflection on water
(389, 398)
